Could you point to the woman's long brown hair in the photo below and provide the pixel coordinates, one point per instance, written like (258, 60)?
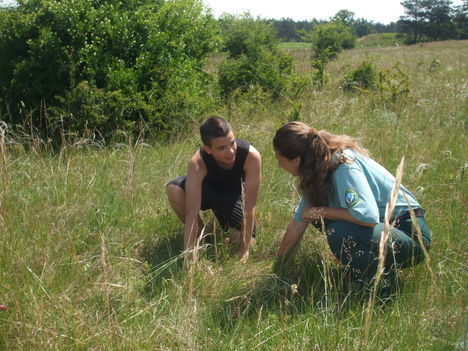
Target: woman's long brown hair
(315, 149)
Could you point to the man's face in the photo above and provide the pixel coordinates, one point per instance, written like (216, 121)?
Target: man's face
(223, 149)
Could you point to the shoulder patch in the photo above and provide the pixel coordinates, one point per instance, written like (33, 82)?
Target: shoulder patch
(351, 197)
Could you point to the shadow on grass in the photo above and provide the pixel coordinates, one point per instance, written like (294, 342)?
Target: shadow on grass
(300, 283)
(164, 260)
(164, 257)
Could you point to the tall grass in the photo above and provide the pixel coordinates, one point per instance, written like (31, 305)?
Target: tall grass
(90, 252)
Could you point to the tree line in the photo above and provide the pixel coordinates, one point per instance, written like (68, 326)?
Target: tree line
(424, 20)
(431, 20)
(289, 30)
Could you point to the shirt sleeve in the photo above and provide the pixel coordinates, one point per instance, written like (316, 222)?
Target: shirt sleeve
(300, 208)
(355, 194)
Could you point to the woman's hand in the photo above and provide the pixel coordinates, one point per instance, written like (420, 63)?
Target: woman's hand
(312, 213)
(332, 213)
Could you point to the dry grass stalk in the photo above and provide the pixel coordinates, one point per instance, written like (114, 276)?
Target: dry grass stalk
(105, 269)
(243, 232)
(3, 151)
(131, 165)
(382, 247)
(131, 151)
(193, 255)
(427, 259)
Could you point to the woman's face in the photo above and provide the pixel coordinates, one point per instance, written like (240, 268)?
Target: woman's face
(290, 166)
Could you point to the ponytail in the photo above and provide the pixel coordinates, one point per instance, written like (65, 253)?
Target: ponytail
(315, 169)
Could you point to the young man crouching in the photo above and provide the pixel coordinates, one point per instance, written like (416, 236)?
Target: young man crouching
(217, 174)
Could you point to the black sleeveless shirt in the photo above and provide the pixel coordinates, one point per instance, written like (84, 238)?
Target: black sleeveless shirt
(227, 179)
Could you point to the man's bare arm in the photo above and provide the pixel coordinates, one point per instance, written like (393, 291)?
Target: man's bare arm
(253, 165)
(195, 174)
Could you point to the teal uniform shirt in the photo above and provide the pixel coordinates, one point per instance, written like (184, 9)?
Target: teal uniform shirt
(364, 187)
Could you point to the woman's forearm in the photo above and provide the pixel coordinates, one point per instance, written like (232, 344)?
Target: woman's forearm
(292, 236)
(333, 213)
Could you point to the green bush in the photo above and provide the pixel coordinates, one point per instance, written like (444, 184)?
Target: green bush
(331, 38)
(328, 40)
(93, 110)
(266, 71)
(253, 58)
(104, 65)
(394, 86)
(363, 78)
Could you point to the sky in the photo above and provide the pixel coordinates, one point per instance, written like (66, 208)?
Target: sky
(383, 11)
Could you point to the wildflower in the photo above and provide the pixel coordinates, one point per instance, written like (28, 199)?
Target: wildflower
(294, 289)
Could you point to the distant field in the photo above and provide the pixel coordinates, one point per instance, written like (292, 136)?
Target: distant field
(90, 250)
(379, 40)
(369, 41)
(294, 46)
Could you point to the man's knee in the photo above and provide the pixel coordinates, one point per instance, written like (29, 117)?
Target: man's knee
(174, 192)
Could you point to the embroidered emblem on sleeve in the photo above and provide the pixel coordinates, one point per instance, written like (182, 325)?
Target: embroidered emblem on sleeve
(351, 198)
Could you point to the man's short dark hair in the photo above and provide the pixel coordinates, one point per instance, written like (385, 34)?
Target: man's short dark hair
(214, 127)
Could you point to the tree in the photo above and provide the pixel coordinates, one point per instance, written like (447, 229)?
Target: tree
(460, 19)
(328, 40)
(362, 27)
(344, 16)
(429, 20)
(439, 24)
(245, 35)
(415, 16)
(286, 29)
(333, 38)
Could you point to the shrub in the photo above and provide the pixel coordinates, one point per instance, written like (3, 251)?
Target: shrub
(254, 58)
(106, 64)
(331, 38)
(328, 40)
(92, 110)
(363, 78)
(394, 86)
(266, 71)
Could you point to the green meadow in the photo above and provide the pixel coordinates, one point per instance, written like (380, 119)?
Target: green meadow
(90, 251)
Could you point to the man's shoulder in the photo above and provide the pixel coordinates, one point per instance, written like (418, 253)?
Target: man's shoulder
(253, 152)
(243, 142)
(196, 156)
(247, 145)
(196, 162)
(253, 160)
